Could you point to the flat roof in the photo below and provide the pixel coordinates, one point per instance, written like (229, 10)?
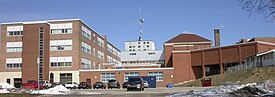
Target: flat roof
(35, 22)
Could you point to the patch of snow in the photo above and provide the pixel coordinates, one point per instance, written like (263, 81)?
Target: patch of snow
(266, 88)
(5, 85)
(60, 89)
(4, 91)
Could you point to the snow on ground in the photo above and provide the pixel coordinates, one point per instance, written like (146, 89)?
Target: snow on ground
(60, 89)
(5, 85)
(266, 88)
(4, 91)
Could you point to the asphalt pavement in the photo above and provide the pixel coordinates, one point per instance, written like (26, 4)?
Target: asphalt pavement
(148, 92)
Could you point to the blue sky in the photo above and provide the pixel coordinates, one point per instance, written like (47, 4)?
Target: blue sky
(164, 19)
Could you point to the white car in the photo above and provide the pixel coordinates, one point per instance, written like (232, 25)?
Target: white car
(45, 83)
(72, 85)
(146, 84)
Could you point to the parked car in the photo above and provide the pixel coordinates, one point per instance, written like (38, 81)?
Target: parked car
(55, 84)
(45, 83)
(146, 84)
(113, 84)
(135, 83)
(125, 84)
(71, 85)
(84, 85)
(99, 85)
(32, 84)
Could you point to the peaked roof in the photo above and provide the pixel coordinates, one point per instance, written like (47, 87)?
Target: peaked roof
(187, 37)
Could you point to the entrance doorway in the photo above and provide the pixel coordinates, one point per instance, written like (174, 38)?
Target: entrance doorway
(17, 82)
(64, 77)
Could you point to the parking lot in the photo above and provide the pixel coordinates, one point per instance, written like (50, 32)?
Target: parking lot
(149, 92)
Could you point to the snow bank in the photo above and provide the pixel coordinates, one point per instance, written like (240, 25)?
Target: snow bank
(266, 88)
(4, 91)
(5, 85)
(60, 89)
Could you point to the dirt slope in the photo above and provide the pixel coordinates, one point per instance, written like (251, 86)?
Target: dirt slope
(245, 76)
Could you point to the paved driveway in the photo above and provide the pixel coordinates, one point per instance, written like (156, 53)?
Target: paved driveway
(149, 92)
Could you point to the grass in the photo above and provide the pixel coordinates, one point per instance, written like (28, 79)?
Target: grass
(245, 76)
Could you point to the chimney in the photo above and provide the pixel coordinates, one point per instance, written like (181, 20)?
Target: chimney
(217, 37)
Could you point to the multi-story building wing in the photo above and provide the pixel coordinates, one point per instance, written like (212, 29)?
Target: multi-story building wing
(143, 45)
(60, 47)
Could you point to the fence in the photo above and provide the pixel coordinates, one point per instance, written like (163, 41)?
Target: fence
(251, 65)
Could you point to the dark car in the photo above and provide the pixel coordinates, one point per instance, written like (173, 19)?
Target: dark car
(84, 85)
(55, 84)
(99, 85)
(125, 84)
(135, 83)
(113, 84)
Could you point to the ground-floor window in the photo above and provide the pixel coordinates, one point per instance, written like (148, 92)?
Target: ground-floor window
(105, 77)
(127, 75)
(159, 75)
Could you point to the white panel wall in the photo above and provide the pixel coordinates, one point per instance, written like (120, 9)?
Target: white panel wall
(61, 42)
(61, 59)
(14, 44)
(61, 26)
(15, 28)
(142, 55)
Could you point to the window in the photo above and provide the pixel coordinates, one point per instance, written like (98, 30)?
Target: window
(110, 48)
(109, 59)
(100, 55)
(86, 63)
(144, 42)
(105, 77)
(151, 53)
(100, 42)
(60, 61)
(60, 45)
(127, 75)
(13, 62)
(138, 46)
(159, 75)
(86, 32)
(130, 46)
(14, 47)
(86, 47)
(133, 53)
(14, 30)
(147, 42)
(65, 28)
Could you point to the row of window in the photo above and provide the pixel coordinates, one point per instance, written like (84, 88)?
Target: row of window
(144, 46)
(61, 64)
(105, 77)
(136, 53)
(14, 30)
(61, 31)
(14, 65)
(14, 33)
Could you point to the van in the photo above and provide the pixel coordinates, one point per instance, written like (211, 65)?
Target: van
(113, 84)
(135, 83)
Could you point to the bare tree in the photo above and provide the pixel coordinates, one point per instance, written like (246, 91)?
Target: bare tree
(265, 7)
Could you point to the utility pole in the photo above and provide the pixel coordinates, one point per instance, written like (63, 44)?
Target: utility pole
(141, 20)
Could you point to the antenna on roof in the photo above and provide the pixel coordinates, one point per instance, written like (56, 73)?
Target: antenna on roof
(141, 20)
